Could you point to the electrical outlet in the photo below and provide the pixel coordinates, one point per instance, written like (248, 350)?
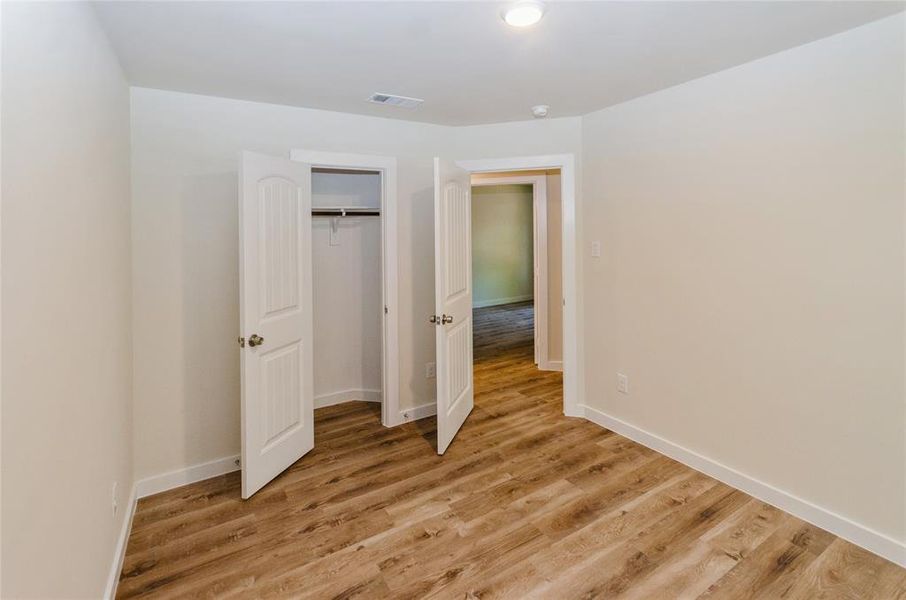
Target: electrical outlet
(114, 502)
(430, 370)
(622, 383)
(596, 249)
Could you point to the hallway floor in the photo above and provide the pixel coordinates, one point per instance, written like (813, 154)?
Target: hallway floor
(525, 503)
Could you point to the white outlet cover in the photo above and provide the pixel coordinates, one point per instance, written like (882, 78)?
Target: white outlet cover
(430, 370)
(622, 383)
(596, 249)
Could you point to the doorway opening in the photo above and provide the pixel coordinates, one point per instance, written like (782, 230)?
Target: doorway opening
(347, 303)
(354, 252)
(516, 265)
(562, 229)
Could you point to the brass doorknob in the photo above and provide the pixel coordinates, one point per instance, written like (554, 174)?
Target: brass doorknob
(255, 340)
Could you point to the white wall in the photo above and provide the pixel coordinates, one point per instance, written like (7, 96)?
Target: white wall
(752, 278)
(502, 244)
(347, 311)
(519, 138)
(67, 348)
(185, 155)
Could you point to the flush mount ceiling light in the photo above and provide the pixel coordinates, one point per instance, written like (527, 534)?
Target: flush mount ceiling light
(524, 13)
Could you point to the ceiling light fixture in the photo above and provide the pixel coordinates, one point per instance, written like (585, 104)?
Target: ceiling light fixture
(524, 13)
(540, 111)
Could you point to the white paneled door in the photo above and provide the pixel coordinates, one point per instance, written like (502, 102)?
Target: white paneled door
(453, 298)
(275, 313)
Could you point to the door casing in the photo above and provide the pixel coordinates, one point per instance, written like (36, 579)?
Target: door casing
(573, 368)
(390, 412)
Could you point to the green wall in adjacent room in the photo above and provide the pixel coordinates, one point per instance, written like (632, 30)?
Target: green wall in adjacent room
(502, 244)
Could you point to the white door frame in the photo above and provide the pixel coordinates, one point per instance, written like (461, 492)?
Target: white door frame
(540, 266)
(389, 241)
(573, 371)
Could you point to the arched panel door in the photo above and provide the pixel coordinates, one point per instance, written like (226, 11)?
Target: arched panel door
(277, 417)
(453, 298)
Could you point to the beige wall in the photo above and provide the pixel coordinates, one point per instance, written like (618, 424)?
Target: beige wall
(752, 278)
(502, 244)
(67, 349)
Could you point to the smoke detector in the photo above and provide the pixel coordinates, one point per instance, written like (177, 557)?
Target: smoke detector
(540, 111)
(393, 100)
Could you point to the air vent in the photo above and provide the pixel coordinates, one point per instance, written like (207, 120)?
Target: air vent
(391, 100)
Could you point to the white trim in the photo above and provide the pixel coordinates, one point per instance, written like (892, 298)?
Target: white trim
(419, 412)
(860, 535)
(119, 554)
(554, 365)
(539, 258)
(502, 301)
(174, 479)
(573, 336)
(325, 400)
(390, 241)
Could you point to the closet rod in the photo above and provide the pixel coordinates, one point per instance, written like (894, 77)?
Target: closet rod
(345, 212)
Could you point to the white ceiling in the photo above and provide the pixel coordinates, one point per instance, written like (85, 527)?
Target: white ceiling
(460, 57)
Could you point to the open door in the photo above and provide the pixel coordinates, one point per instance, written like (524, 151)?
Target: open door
(452, 298)
(277, 419)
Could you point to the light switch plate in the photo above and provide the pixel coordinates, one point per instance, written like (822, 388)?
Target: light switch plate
(596, 249)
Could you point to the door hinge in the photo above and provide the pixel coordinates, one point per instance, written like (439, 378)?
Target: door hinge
(386, 310)
(242, 342)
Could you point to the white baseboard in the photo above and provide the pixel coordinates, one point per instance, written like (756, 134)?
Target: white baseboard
(347, 396)
(860, 535)
(174, 479)
(499, 301)
(551, 365)
(418, 412)
(120, 551)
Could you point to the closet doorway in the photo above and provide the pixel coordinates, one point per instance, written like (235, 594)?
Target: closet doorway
(347, 301)
(344, 248)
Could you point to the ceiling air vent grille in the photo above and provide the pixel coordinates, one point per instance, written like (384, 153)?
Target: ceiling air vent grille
(391, 100)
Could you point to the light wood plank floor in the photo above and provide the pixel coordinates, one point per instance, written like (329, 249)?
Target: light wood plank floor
(526, 503)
